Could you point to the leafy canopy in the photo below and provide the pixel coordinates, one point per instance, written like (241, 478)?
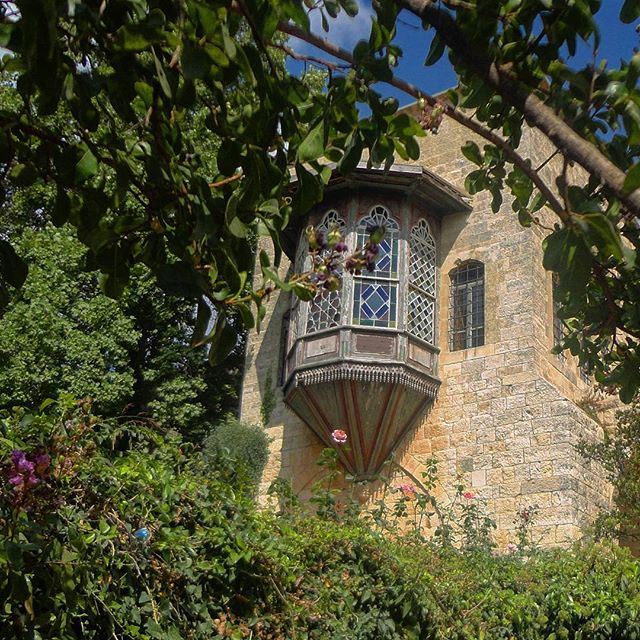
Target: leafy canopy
(131, 71)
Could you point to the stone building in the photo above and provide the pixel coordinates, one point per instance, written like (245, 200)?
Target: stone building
(444, 351)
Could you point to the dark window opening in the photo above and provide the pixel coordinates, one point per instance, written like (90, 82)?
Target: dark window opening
(466, 306)
(558, 323)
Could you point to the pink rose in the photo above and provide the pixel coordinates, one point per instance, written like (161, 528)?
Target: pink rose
(339, 436)
(512, 548)
(468, 495)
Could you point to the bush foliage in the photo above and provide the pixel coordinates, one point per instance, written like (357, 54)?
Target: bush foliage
(247, 445)
(115, 530)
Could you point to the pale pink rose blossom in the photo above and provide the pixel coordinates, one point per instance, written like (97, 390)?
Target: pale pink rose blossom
(339, 436)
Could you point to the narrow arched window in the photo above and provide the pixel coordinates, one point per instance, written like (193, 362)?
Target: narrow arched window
(375, 294)
(558, 323)
(325, 309)
(466, 306)
(422, 282)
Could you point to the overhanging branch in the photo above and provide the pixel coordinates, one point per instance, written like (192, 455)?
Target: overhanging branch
(448, 110)
(535, 111)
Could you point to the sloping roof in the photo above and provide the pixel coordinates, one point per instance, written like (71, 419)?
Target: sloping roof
(410, 179)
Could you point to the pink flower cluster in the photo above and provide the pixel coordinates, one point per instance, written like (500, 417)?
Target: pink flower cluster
(469, 495)
(339, 436)
(407, 489)
(27, 471)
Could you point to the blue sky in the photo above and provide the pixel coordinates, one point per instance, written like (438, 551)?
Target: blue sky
(618, 41)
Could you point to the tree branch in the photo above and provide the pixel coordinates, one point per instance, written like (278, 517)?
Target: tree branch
(448, 110)
(536, 113)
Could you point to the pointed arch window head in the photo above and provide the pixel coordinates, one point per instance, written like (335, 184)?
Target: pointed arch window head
(422, 282)
(375, 294)
(466, 306)
(325, 310)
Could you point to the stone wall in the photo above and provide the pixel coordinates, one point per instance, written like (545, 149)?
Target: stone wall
(507, 417)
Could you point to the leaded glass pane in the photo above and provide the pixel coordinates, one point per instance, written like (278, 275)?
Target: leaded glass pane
(387, 259)
(421, 315)
(422, 264)
(324, 310)
(375, 303)
(466, 310)
(422, 282)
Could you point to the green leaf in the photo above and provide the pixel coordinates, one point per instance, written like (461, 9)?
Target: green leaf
(130, 38)
(86, 168)
(203, 319)
(566, 253)
(271, 274)
(471, 151)
(195, 63)
(630, 11)
(235, 225)
(435, 51)
(13, 269)
(632, 181)
(223, 341)
(312, 147)
(180, 279)
(602, 234)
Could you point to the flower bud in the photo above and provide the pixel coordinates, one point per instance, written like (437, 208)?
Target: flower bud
(334, 237)
(310, 232)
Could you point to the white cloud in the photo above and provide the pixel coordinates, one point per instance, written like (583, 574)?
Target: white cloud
(344, 31)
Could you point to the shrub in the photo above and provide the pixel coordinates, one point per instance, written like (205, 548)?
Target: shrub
(117, 530)
(246, 444)
(122, 531)
(618, 454)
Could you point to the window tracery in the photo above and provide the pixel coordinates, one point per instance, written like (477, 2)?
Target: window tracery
(325, 310)
(422, 282)
(375, 294)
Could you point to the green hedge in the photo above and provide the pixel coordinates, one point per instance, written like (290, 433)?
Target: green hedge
(76, 561)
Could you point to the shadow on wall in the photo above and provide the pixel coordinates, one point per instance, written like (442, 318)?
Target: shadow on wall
(294, 446)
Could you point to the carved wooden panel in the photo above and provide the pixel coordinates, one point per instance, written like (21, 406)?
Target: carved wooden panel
(421, 355)
(322, 346)
(374, 344)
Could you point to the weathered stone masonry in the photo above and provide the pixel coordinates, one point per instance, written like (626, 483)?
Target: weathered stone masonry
(507, 415)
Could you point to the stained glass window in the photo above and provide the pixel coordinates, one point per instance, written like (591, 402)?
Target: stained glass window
(466, 306)
(324, 310)
(375, 294)
(422, 282)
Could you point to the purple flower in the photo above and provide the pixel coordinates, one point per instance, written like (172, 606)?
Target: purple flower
(31, 480)
(341, 247)
(25, 466)
(17, 456)
(15, 478)
(42, 460)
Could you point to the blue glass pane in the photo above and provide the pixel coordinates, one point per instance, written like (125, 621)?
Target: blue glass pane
(387, 259)
(375, 304)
